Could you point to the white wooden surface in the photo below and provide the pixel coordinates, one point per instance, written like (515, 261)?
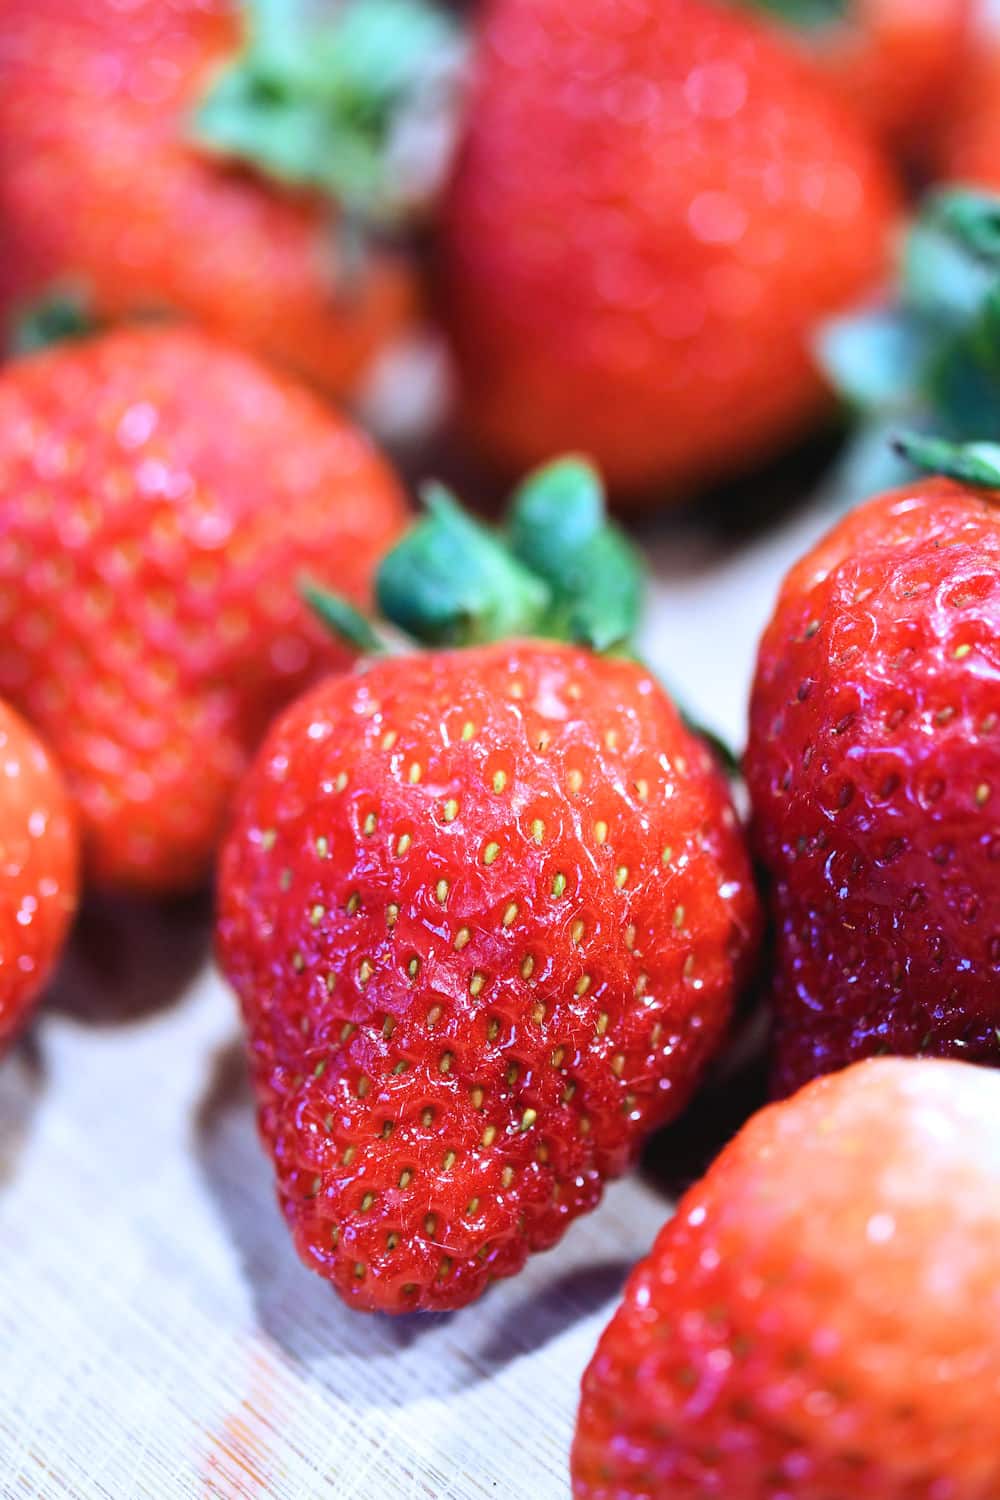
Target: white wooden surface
(158, 1337)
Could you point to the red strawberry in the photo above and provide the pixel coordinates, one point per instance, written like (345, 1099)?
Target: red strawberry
(486, 912)
(160, 496)
(655, 204)
(895, 60)
(969, 149)
(874, 770)
(104, 184)
(38, 859)
(821, 1319)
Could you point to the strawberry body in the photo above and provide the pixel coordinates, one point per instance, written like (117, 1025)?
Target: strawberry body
(161, 496)
(897, 61)
(969, 147)
(103, 187)
(874, 770)
(38, 864)
(654, 205)
(821, 1319)
(486, 912)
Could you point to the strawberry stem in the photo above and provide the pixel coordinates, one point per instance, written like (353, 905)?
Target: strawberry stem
(63, 313)
(344, 621)
(807, 15)
(558, 527)
(357, 100)
(451, 581)
(558, 569)
(971, 463)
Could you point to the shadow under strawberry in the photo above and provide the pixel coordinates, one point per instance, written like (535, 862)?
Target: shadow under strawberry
(22, 1082)
(128, 958)
(416, 1354)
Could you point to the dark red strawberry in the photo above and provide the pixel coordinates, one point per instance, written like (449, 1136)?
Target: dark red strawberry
(874, 770)
(38, 868)
(486, 912)
(160, 496)
(655, 204)
(820, 1320)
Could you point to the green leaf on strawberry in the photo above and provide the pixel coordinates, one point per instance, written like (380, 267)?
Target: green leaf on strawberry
(930, 361)
(355, 100)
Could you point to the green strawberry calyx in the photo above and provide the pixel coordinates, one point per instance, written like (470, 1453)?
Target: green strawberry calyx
(355, 99)
(64, 312)
(806, 15)
(975, 464)
(926, 362)
(556, 567)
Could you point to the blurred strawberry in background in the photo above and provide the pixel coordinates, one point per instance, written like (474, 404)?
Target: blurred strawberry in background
(211, 159)
(896, 61)
(38, 865)
(655, 203)
(160, 498)
(970, 142)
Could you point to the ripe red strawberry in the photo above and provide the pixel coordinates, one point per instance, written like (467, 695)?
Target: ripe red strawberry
(897, 61)
(105, 184)
(38, 866)
(160, 495)
(655, 204)
(969, 148)
(874, 770)
(821, 1319)
(486, 912)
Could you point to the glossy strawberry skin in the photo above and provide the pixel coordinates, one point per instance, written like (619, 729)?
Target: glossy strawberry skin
(38, 869)
(486, 912)
(820, 1320)
(160, 499)
(101, 184)
(874, 770)
(655, 204)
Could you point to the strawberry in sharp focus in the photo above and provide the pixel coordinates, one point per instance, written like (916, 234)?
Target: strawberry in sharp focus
(821, 1318)
(160, 497)
(38, 868)
(899, 62)
(654, 205)
(873, 766)
(202, 156)
(486, 911)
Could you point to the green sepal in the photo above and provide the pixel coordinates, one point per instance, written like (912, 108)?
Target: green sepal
(930, 363)
(343, 620)
(63, 313)
(805, 15)
(557, 526)
(354, 100)
(874, 359)
(970, 463)
(452, 582)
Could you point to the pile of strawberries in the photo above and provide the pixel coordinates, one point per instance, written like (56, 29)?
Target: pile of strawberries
(483, 891)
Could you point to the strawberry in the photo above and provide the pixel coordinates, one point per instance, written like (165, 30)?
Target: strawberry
(821, 1318)
(160, 496)
(146, 163)
(654, 205)
(485, 911)
(38, 861)
(873, 766)
(969, 145)
(896, 61)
